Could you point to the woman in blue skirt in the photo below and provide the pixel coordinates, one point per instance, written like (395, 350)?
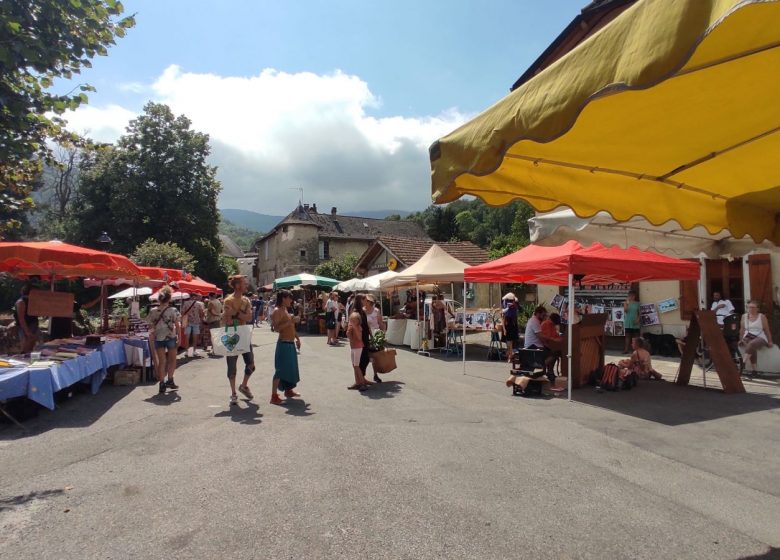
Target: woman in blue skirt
(286, 375)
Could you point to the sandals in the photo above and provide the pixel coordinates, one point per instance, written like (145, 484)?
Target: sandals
(244, 390)
(276, 400)
(289, 393)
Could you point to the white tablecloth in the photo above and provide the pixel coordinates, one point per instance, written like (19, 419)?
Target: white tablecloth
(396, 329)
(412, 334)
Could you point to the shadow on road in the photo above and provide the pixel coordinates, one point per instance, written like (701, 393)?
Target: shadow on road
(384, 390)
(166, 399)
(673, 405)
(297, 407)
(249, 415)
(77, 407)
(12, 502)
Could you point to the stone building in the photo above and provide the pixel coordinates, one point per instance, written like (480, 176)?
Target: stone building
(306, 237)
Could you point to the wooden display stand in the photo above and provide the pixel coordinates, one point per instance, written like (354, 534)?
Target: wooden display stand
(704, 326)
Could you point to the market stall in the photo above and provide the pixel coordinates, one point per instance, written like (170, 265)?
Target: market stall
(593, 265)
(60, 363)
(435, 266)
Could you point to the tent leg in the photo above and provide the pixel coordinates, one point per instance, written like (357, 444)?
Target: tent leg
(569, 329)
(703, 306)
(463, 342)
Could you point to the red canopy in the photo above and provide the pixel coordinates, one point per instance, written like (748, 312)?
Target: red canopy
(165, 274)
(61, 260)
(198, 286)
(596, 264)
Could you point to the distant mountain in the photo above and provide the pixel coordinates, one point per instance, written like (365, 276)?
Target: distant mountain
(262, 223)
(379, 214)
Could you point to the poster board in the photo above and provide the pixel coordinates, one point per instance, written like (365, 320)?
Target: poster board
(648, 315)
(43, 303)
(607, 298)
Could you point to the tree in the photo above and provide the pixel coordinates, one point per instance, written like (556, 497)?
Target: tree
(164, 255)
(340, 268)
(41, 41)
(155, 183)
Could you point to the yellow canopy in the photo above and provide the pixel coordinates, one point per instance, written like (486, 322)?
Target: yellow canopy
(671, 111)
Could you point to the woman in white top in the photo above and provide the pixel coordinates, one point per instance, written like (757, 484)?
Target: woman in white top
(754, 333)
(374, 316)
(331, 313)
(375, 323)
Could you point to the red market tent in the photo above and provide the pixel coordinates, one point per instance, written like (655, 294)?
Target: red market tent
(198, 286)
(596, 264)
(165, 274)
(60, 260)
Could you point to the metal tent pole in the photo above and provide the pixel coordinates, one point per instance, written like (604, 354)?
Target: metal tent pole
(463, 342)
(569, 329)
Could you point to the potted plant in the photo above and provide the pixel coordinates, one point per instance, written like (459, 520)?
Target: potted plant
(382, 358)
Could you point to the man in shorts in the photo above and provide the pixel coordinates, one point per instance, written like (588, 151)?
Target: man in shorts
(213, 314)
(193, 314)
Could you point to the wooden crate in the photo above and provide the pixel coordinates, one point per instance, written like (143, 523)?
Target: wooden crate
(127, 377)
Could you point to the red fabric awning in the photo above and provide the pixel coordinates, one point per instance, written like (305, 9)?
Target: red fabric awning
(61, 260)
(198, 286)
(596, 264)
(165, 274)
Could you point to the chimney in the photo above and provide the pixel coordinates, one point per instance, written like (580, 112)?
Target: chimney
(333, 211)
(314, 208)
(305, 206)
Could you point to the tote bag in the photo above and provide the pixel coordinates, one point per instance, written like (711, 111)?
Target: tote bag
(231, 340)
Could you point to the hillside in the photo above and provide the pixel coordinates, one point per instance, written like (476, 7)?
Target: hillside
(250, 220)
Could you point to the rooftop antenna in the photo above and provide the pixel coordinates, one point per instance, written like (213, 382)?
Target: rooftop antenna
(300, 191)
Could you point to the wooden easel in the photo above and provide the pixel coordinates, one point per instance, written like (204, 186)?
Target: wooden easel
(704, 327)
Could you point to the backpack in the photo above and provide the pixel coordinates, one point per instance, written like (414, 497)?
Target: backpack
(610, 379)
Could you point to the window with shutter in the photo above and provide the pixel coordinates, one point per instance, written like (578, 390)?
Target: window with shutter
(760, 270)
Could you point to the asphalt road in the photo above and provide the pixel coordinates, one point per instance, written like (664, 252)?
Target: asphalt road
(430, 464)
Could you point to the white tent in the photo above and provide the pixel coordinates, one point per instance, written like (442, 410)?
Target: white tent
(555, 228)
(131, 292)
(176, 296)
(368, 284)
(435, 266)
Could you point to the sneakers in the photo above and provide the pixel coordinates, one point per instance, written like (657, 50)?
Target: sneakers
(244, 390)
(233, 399)
(170, 384)
(162, 388)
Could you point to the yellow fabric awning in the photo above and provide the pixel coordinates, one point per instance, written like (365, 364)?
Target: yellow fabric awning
(671, 111)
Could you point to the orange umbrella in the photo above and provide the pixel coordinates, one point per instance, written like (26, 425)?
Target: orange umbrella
(60, 260)
(165, 274)
(198, 286)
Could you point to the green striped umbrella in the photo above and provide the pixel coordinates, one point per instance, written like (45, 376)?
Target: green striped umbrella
(304, 280)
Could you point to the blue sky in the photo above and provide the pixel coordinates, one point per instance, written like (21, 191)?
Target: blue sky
(340, 97)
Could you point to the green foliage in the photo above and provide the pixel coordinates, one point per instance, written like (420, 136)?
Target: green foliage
(243, 236)
(42, 41)
(165, 255)
(228, 265)
(154, 184)
(340, 268)
(377, 341)
(501, 230)
(393, 217)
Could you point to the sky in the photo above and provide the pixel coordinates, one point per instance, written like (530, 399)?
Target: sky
(341, 98)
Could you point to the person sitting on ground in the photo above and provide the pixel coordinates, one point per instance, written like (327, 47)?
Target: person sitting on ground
(639, 363)
(551, 336)
(754, 333)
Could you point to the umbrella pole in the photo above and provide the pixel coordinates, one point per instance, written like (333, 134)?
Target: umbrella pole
(417, 314)
(464, 327)
(103, 321)
(569, 329)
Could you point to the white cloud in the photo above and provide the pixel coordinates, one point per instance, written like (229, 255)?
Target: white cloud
(277, 130)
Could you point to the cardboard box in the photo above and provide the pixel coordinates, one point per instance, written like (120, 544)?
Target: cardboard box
(127, 377)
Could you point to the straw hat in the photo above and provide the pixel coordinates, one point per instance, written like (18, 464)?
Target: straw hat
(509, 295)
